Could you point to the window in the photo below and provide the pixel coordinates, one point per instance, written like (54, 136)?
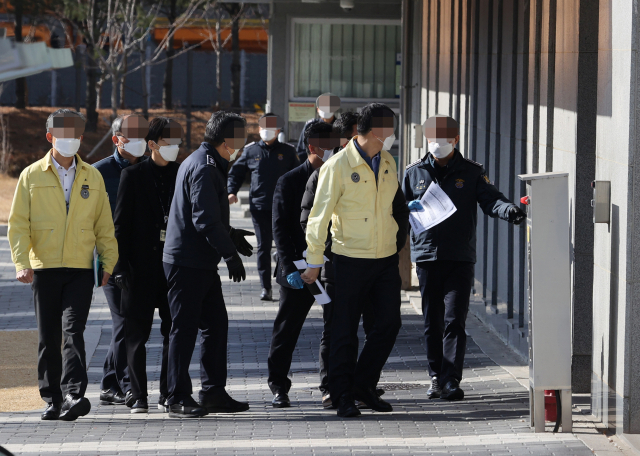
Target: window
(352, 60)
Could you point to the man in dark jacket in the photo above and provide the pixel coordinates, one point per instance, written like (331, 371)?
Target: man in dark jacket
(198, 237)
(266, 160)
(446, 253)
(142, 210)
(295, 298)
(128, 137)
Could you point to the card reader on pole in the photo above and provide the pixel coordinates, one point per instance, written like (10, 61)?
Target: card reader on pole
(549, 294)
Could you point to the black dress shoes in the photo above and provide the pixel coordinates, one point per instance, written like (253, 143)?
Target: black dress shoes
(221, 402)
(162, 404)
(434, 390)
(327, 403)
(451, 391)
(52, 412)
(370, 398)
(140, 406)
(266, 295)
(281, 400)
(129, 400)
(347, 406)
(187, 408)
(73, 407)
(111, 397)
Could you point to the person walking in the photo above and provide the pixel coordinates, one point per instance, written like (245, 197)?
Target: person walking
(267, 160)
(356, 190)
(198, 237)
(142, 212)
(59, 215)
(445, 254)
(128, 132)
(295, 298)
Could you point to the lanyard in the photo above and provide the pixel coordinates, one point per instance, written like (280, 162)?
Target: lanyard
(165, 210)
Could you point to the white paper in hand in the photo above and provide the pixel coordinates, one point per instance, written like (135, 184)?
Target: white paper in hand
(437, 207)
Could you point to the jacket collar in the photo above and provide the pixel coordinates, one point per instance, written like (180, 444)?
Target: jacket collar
(120, 160)
(221, 163)
(47, 162)
(355, 159)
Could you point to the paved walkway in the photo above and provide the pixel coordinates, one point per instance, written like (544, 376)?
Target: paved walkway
(492, 420)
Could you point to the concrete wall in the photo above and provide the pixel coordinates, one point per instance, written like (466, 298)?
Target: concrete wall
(508, 72)
(279, 58)
(615, 398)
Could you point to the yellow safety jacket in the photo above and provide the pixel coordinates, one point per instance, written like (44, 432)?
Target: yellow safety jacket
(360, 211)
(41, 233)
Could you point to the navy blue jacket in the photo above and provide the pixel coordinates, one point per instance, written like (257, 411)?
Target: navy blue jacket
(467, 184)
(111, 168)
(287, 231)
(266, 164)
(198, 227)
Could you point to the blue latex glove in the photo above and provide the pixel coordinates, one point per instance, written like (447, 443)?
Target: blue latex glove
(295, 280)
(415, 206)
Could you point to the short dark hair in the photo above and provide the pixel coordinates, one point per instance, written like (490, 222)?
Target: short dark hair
(156, 127)
(49, 123)
(370, 112)
(317, 129)
(221, 125)
(344, 124)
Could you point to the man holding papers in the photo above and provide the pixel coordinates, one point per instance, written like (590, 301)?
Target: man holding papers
(295, 298)
(356, 190)
(443, 189)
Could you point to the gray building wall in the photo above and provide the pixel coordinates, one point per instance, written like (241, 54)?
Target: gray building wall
(549, 85)
(203, 85)
(279, 53)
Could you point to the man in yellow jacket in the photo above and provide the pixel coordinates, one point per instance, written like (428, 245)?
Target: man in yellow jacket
(357, 191)
(60, 213)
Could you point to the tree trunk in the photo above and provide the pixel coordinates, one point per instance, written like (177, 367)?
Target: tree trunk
(235, 65)
(21, 83)
(167, 84)
(115, 82)
(218, 63)
(143, 74)
(99, 92)
(77, 64)
(122, 83)
(92, 93)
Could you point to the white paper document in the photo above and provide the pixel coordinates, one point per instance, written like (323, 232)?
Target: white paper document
(437, 207)
(316, 288)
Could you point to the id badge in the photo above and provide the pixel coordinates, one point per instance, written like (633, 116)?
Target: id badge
(163, 235)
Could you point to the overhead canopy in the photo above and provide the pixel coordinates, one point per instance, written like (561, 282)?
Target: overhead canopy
(18, 60)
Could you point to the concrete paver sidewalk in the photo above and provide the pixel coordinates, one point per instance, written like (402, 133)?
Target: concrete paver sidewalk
(493, 419)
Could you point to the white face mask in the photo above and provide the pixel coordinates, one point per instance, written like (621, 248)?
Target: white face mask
(232, 156)
(67, 147)
(388, 142)
(267, 134)
(327, 154)
(169, 153)
(325, 114)
(135, 147)
(440, 148)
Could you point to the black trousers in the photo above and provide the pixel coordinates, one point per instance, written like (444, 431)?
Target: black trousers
(264, 234)
(196, 302)
(62, 299)
(361, 283)
(294, 307)
(138, 322)
(115, 374)
(445, 287)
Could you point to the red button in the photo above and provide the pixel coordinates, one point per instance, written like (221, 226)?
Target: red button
(525, 200)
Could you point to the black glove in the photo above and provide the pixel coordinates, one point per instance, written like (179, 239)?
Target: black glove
(236, 268)
(122, 280)
(242, 245)
(517, 215)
